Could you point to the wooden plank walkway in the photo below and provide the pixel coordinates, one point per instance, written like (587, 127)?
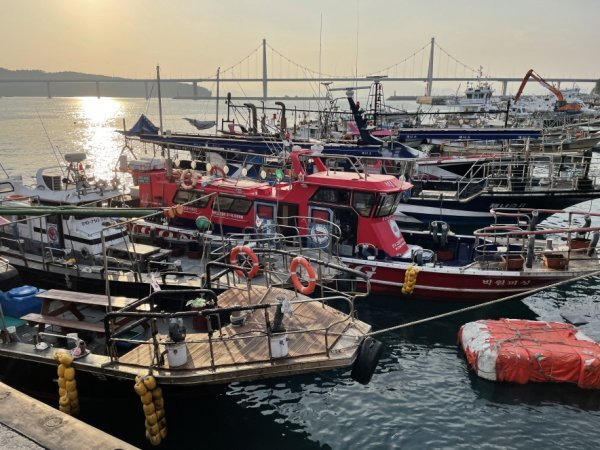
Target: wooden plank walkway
(249, 343)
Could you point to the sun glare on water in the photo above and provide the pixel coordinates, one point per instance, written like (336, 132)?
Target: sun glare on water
(99, 118)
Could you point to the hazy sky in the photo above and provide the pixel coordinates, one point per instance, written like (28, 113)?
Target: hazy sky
(193, 37)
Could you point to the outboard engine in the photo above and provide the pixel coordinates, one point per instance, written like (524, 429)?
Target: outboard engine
(177, 331)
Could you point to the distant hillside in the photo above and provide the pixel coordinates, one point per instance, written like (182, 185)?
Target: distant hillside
(83, 89)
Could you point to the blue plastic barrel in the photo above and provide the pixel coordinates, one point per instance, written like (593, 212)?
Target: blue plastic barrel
(20, 301)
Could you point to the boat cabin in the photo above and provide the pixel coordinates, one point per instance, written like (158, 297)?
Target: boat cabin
(361, 205)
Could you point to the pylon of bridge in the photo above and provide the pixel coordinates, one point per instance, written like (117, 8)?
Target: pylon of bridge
(264, 73)
(430, 69)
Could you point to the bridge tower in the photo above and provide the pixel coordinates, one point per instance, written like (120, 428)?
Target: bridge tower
(430, 69)
(264, 73)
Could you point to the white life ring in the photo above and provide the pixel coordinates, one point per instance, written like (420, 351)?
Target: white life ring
(52, 233)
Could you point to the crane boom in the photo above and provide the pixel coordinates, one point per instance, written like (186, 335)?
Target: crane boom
(532, 74)
(561, 104)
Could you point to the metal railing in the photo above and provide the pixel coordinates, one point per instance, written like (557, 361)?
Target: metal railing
(214, 336)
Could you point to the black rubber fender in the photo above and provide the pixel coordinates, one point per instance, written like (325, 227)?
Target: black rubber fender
(367, 360)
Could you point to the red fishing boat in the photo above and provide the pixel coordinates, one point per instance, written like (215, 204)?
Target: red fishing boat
(359, 208)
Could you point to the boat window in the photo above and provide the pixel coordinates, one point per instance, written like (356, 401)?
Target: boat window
(363, 203)
(387, 204)
(327, 195)
(320, 215)
(232, 205)
(203, 202)
(240, 206)
(265, 211)
(52, 219)
(6, 187)
(182, 196)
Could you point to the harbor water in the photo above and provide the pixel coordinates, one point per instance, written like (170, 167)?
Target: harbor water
(423, 395)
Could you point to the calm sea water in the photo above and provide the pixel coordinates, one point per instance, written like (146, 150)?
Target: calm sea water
(422, 395)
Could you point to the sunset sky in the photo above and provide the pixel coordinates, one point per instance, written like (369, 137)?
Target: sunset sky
(193, 37)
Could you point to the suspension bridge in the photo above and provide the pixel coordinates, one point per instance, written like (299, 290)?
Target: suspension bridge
(266, 65)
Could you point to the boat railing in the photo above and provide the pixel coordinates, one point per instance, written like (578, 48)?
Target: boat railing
(18, 243)
(331, 275)
(214, 336)
(497, 244)
(519, 173)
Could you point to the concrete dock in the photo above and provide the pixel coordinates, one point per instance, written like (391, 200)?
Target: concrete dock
(26, 423)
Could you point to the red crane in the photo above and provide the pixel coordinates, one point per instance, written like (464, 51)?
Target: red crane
(561, 104)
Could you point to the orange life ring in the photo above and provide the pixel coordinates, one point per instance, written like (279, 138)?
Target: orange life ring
(306, 290)
(215, 169)
(248, 251)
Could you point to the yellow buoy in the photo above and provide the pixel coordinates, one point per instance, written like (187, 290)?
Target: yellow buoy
(69, 373)
(146, 398)
(152, 419)
(150, 382)
(157, 393)
(65, 359)
(140, 388)
(149, 409)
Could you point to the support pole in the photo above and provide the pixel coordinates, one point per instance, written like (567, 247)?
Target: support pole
(264, 74)
(430, 69)
(217, 101)
(504, 88)
(159, 99)
(195, 86)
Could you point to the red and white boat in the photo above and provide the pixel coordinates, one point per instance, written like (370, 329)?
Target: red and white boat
(436, 264)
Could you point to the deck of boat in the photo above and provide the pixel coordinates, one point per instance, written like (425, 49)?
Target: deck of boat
(245, 349)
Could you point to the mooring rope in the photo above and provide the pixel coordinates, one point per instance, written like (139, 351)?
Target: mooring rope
(481, 305)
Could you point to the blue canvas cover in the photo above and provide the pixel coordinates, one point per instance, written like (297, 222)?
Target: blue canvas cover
(142, 126)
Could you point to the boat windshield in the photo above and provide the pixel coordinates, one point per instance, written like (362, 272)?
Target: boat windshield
(363, 203)
(387, 204)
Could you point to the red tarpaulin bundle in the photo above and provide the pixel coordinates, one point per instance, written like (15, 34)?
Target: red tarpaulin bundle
(528, 350)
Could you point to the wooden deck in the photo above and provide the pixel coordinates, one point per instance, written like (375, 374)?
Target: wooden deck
(249, 345)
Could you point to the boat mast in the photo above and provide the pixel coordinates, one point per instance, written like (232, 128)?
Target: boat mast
(159, 99)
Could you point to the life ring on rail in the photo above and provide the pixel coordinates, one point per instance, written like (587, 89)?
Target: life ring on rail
(306, 290)
(214, 169)
(248, 251)
(187, 180)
